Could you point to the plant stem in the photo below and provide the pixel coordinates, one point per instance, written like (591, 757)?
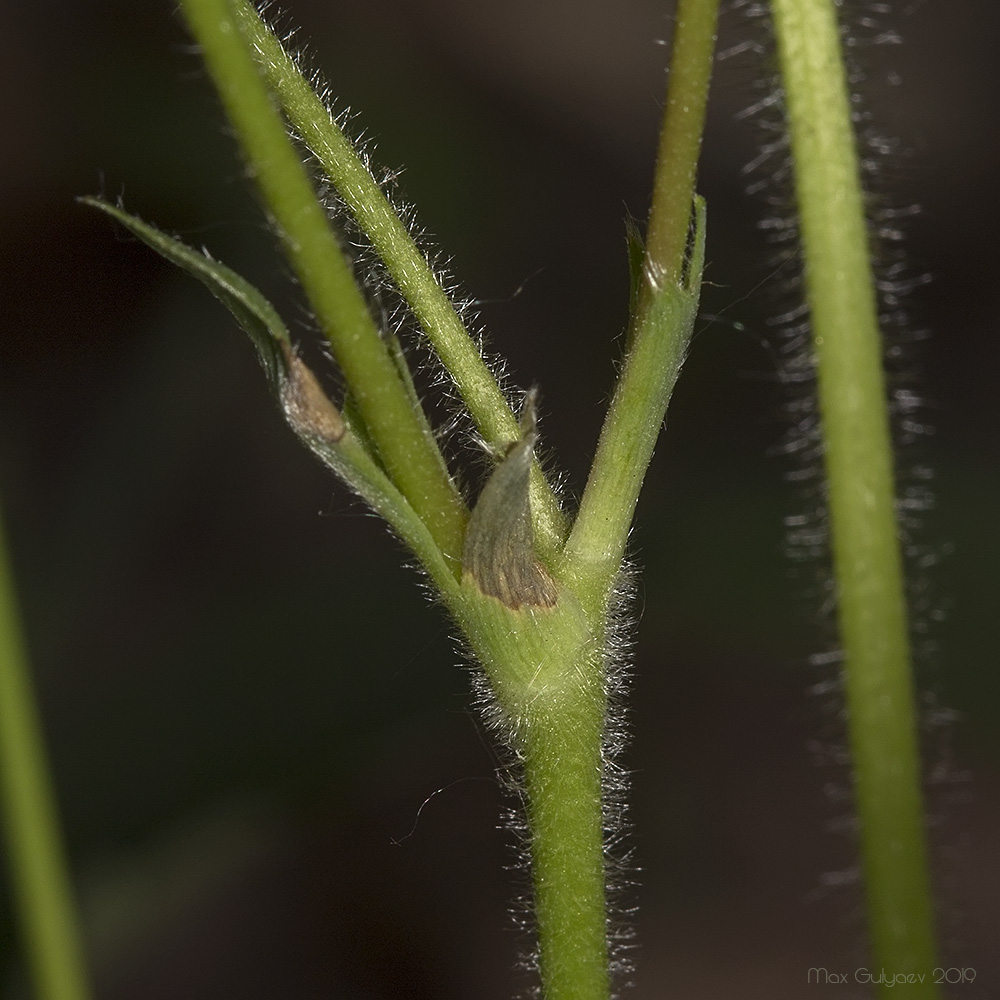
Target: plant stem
(409, 269)
(661, 326)
(39, 872)
(563, 781)
(409, 452)
(596, 546)
(852, 398)
(693, 48)
(546, 671)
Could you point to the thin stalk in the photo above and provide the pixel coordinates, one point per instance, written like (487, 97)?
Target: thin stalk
(414, 277)
(661, 325)
(693, 48)
(866, 554)
(409, 452)
(39, 871)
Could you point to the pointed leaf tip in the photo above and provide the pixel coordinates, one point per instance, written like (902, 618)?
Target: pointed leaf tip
(258, 318)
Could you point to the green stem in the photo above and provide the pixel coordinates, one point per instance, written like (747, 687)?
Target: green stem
(661, 326)
(409, 269)
(546, 669)
(563, 781)
(39, 872)
(410, 453)
(867, 563)
(693, 48)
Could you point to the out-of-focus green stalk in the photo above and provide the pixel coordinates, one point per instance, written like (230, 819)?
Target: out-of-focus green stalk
(39, 873)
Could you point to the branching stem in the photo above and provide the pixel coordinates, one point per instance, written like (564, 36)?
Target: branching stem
(409, 452)
(414, 277)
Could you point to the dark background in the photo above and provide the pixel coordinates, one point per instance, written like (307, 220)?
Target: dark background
(248, 700)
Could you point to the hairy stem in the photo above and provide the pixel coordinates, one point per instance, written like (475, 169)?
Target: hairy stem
(409, 452)
(39, 872)
(563, 781)
(596, 547)
(852, 397)
(661, 325)
(414, 277)
(546, 669)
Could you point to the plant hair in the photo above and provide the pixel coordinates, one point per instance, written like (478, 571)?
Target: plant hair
(865, 26)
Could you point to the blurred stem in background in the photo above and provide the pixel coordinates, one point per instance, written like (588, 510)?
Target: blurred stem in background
(39, 871)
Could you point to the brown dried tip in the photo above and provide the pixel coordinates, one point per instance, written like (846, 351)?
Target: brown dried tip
(306, 406)
(499, 552)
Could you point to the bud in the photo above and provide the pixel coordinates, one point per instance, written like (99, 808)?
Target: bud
(499, 553)
(307, 409)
